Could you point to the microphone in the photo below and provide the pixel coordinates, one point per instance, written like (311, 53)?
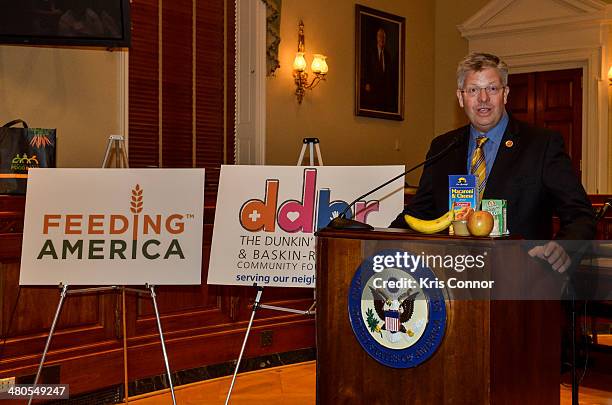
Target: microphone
(602, 211)
(341, 222)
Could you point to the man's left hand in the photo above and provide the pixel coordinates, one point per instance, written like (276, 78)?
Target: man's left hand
(554, 254)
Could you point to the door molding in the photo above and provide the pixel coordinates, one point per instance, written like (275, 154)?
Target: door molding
(250, 114)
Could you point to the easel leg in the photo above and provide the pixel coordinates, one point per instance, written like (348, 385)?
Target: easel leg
(125, 364)
(44, 354)
(109, 146)
(246, 337)
(163, 344)
(318, 149)
(311, 153)
(312, 309)
(126, 162)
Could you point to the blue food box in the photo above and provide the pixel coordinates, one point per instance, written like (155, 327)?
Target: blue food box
(462, 194)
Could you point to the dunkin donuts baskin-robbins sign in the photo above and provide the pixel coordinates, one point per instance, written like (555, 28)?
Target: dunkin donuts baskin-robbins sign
(113, 227)
(266, 217)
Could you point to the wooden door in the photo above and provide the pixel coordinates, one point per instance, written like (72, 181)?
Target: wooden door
(551, 100)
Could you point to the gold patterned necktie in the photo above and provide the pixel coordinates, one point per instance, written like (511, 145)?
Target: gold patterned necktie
(479, 166)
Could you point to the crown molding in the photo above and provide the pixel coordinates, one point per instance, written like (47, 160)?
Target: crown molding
(582, 14)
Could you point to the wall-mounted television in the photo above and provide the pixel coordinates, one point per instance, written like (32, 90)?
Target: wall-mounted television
(103, 23)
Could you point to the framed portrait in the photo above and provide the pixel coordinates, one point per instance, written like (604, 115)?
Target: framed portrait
(379, 63)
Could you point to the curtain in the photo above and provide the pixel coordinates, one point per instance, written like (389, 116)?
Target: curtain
(273, 19)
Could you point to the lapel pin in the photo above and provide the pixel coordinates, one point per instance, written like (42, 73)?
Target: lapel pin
(509, 144)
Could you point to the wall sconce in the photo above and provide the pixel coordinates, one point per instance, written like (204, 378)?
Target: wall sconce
(610, 75)
(318, 67)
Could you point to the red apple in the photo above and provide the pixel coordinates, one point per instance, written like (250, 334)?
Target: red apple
(480, 223)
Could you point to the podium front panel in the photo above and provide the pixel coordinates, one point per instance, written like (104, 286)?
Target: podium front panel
(492, 351)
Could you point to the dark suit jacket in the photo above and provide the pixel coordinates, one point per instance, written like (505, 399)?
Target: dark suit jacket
(534, 175)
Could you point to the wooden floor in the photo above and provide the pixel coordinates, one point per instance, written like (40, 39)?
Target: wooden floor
(295, 385)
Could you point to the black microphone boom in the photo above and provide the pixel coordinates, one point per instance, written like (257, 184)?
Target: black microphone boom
(341, 222)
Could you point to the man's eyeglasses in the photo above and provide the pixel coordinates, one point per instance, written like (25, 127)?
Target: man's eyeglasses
(492, 90)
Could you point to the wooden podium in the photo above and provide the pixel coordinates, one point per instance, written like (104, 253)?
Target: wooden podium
(493, 352)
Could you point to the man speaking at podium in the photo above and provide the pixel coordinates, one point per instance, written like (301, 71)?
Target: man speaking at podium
(525, 165)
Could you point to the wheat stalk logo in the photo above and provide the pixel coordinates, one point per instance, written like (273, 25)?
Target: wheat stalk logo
(136, 204)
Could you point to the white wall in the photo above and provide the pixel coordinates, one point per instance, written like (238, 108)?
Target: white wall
(78, 91)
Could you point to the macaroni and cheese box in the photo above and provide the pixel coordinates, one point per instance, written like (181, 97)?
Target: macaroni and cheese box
(462, 196)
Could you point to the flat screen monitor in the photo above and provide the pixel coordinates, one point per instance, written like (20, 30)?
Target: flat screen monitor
(103, 23)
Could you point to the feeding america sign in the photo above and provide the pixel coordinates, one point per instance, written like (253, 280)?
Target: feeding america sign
(113, 227)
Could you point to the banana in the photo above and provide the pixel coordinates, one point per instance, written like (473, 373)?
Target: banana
(429, 226)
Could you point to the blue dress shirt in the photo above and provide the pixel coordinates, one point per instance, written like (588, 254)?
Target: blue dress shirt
(491, 146)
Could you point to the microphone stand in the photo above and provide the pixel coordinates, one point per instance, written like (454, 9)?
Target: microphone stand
(342, 222)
